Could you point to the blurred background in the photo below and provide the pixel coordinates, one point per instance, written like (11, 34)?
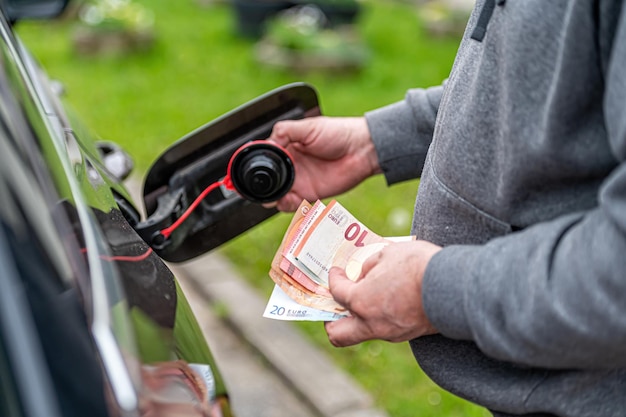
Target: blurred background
(143, 73)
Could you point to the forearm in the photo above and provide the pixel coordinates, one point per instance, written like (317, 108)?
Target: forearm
(402, 133)
(550, 296)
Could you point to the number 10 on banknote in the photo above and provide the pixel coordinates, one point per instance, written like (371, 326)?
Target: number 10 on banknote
(337, 238)
(318, 238)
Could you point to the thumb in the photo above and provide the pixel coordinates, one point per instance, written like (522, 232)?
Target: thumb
(349, 330)
(287, 131)
(290, 202)
(340, 286)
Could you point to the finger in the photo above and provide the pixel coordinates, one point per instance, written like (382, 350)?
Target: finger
(285, 204)
(287, 131)
(295, 131)
(369, 264)
(289, 203)
(347, 332)
(340, 286)
(279, 134)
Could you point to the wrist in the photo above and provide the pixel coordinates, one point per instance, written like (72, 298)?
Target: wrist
(365, 148)
(372, 158)
(444, 286)
(428, 328)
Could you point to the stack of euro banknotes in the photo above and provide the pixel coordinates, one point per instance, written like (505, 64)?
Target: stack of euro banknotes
(318, 238)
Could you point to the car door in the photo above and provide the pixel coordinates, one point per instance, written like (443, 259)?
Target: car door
(113, 330)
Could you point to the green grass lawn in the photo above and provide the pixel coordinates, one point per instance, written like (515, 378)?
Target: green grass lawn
(199, 69)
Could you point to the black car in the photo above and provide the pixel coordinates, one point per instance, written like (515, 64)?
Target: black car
(92, 321)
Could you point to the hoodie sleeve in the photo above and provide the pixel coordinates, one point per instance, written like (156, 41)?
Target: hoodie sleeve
(402, 133)
(554, 294)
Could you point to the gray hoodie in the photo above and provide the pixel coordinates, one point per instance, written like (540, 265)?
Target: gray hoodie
(521, 156)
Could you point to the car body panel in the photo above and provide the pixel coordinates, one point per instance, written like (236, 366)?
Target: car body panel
(104, 305)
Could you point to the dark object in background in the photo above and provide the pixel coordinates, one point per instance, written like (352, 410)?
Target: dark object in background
(252, 15)
(338, 12)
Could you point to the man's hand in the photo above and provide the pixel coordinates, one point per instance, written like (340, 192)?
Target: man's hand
(386, 301)
(331, 155)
